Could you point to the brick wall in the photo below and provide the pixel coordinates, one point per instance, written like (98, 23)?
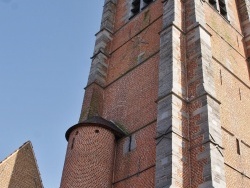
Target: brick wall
(131, 92)
(20, 169)
(232, 87)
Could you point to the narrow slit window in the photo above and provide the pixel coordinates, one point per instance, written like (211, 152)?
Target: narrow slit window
(130, 143)
(240, 93)
(72, 144)
(97, 131)
(220, 77)
(238, 146)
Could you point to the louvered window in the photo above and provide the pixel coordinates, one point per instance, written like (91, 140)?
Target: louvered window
(220, 5)
(138, 5)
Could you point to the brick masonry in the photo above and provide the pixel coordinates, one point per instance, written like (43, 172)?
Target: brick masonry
(175, 79)
(89, 159)
(20, 169)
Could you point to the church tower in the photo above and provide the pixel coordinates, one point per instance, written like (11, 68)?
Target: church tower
(168, 98)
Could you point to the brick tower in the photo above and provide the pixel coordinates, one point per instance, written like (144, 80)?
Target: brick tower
(168, 98)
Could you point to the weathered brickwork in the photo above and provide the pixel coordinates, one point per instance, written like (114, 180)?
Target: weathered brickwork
(139, 158)
(142, 180)
(230, 53)
(20, 169)
(133, 96)
(89, 158)
(175, 79)
(92, 103)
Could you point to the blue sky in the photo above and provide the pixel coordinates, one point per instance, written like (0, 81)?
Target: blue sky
(45, 50)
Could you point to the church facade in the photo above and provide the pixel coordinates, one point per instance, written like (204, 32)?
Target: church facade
(168, 98)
